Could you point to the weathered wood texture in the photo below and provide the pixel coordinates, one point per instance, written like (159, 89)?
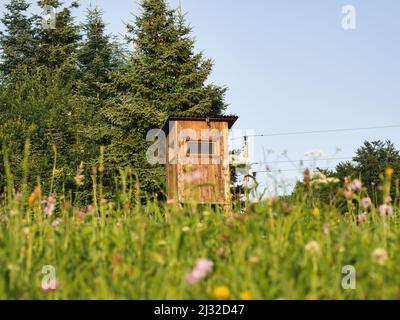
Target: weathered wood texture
(198, 178)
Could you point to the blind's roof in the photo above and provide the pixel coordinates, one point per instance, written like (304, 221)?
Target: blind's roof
(231, 119)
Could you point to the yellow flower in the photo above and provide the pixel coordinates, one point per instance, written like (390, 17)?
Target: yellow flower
(389, 171)
(246, 295)
(254, 260)
(222, 293)
(316, 212)
(31, 199)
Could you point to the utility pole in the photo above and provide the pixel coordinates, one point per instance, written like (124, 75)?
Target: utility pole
(246, 161)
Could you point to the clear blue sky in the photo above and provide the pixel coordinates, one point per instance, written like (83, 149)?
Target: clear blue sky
(290, 66)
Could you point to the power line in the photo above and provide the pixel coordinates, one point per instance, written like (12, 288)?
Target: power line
(302, 160)
(286, 170)
(318, 131)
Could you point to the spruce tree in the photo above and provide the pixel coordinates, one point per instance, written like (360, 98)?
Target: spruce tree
(167, 74)
(58, 47)
(165, 77)
(95, 56)
(16, 41)
(97, 60)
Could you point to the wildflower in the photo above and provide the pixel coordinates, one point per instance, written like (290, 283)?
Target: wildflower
(79, 178)
(116, 260)
(273, 199)
(307, 176)
(312, 247)
(254, 260)
(356, 185)
(25, 231)
(316, 212)
(170, 201)
(221, 251)
(319, 178)
(56, 223)
(380, 256)
(385, 210)
(185, 229)
(246, 295)
(388, 199)
(32, 199)
(50, 206)
(326, 229)
(222, 292)
(200, 271)
(389, 172)
(81, 214)
(366, 203)
(90, 208)
(200, 226)
(362, 218)
(332, 180)
(348, 194)
(13, 213)
(103, 201)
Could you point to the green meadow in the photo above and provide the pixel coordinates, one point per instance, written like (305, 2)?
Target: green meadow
(125, 248)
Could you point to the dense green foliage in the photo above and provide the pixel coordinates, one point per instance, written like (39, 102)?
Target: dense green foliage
(72, 89)
(368, 165)
(370, 161)
(17, 43)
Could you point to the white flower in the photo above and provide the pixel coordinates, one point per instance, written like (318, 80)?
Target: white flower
(380, 256)
(312, 247)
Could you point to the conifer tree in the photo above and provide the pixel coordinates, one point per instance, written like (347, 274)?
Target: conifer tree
(98, 60)
(165, 77)
(95, 55)
(57, 46)
(166, 71)
(16, 41)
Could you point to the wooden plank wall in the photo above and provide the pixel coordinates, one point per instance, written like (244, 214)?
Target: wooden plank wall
(198, 182)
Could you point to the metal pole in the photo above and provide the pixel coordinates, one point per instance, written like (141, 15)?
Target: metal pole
(246, 161)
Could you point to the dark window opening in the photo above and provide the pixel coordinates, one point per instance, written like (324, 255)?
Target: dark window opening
(200, 148)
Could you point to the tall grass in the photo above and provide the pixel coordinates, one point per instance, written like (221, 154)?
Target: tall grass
(120, 248)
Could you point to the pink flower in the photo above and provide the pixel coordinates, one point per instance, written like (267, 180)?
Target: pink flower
(362, 218)
(81, 214)
(90, 208)
(200, 271)
(356, 185)
(348, 194)
(273, 198)
(50, 204)
(385, 210)
(366, 203)
(170, 201)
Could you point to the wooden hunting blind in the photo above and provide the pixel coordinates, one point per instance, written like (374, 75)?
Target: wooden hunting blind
(197, 159)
